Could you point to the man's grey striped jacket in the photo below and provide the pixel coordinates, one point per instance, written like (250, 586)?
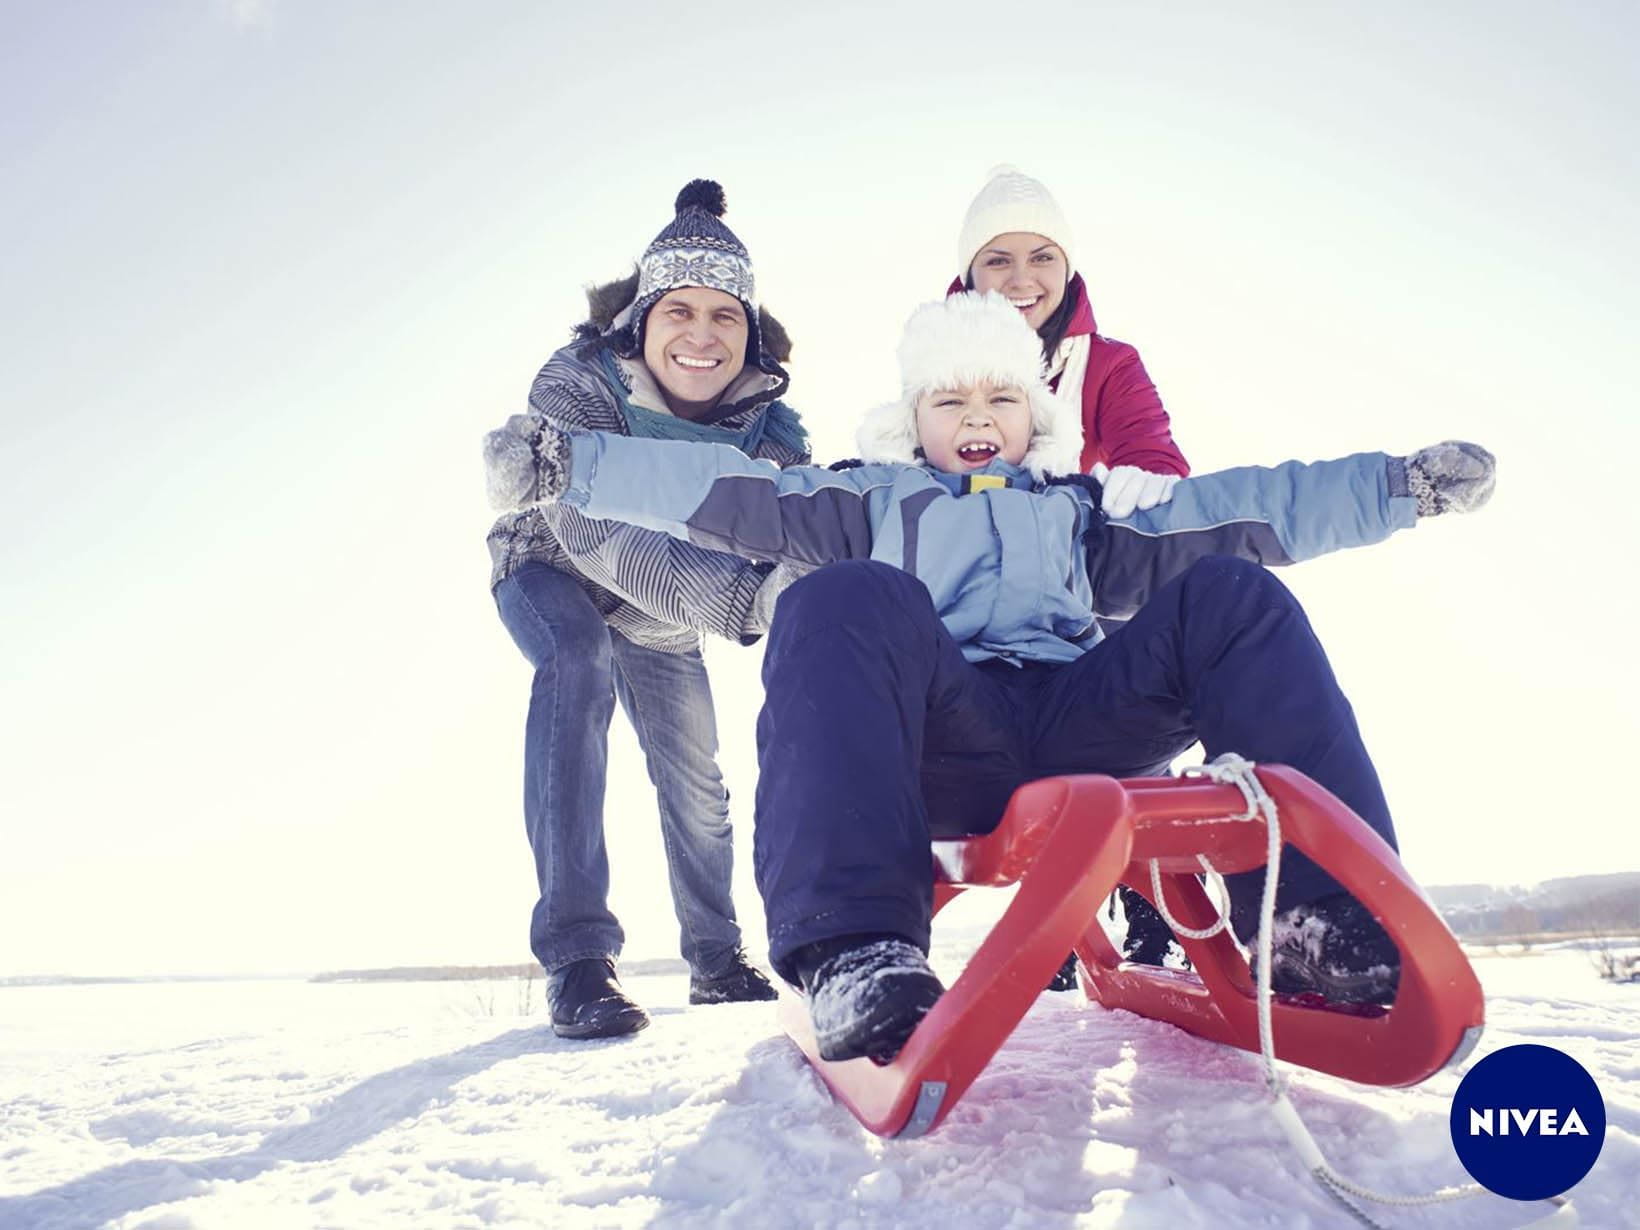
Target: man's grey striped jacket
(654, 590)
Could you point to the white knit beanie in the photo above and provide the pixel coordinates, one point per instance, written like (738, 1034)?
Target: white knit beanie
(1012, 201)
(963, 340)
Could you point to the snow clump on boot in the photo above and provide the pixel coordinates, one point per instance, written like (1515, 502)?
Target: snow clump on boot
(868, 999)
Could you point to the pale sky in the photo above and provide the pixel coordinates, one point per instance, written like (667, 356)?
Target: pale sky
(273, 268)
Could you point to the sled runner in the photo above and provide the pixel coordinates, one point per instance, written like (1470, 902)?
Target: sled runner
(1067, 842)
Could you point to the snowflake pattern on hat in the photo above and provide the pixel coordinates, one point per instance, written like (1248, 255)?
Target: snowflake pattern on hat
(664, 269)
(697, 249)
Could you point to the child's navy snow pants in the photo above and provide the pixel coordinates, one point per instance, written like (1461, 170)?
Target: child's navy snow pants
(877, 734)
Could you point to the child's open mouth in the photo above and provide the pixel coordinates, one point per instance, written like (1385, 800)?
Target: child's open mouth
(976, 453)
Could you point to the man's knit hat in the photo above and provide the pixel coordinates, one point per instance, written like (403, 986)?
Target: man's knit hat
(967, 339)
(1012, 201)
(697, 249)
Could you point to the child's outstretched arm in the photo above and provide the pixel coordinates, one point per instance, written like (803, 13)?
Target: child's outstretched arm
(711, 495)
(1293, 512)
(668, 581)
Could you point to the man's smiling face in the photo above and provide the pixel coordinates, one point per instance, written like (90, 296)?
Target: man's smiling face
(695, 344)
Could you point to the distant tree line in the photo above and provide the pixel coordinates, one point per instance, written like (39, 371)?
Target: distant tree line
(430, 973)
(1605, 914)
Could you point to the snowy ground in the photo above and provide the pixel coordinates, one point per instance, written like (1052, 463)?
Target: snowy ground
(292, 1104)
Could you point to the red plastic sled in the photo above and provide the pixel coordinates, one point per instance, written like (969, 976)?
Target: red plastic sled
(1068, 841)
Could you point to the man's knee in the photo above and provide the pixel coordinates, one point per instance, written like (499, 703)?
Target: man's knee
(553, 620)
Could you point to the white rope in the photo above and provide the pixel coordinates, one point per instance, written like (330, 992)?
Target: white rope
(1232, 769)
(1223, 894)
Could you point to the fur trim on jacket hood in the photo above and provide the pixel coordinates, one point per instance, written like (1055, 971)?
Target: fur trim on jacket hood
(962, 340)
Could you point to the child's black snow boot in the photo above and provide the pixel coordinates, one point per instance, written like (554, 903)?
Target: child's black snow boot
(1334, 948)
(866, 994)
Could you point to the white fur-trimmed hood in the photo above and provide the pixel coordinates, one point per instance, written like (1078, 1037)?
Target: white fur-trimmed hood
(962, 340)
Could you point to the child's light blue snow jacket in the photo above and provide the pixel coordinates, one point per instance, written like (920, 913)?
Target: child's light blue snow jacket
(1016, 569)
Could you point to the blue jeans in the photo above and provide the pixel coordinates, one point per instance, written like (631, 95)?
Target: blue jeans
(581, 666)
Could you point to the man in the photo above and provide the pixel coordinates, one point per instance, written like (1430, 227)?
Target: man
(677, 351)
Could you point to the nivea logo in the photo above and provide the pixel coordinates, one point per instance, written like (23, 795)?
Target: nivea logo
(1528, 1122)
(1537, 1121)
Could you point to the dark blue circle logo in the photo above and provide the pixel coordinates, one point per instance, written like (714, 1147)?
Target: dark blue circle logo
(1528, 1122)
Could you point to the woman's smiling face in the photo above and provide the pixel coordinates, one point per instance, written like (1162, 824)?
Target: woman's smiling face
(1031, 270)
(965, 428)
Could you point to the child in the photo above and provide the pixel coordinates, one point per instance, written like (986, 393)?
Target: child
(945, 649)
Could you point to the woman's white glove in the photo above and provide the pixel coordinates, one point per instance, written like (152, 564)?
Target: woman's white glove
(1128, 488)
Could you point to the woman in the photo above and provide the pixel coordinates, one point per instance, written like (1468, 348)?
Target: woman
(1016, 241)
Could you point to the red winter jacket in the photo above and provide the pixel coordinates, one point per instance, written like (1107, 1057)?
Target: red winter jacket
(1123, 423)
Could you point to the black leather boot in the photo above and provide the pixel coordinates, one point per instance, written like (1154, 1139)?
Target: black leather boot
(1064, 978)
(1148, 940)
(741, 982)
(587, 1001)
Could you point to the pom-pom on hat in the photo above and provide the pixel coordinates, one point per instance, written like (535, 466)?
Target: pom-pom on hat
(969, 339)
(696, 249)
(1012, 201)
